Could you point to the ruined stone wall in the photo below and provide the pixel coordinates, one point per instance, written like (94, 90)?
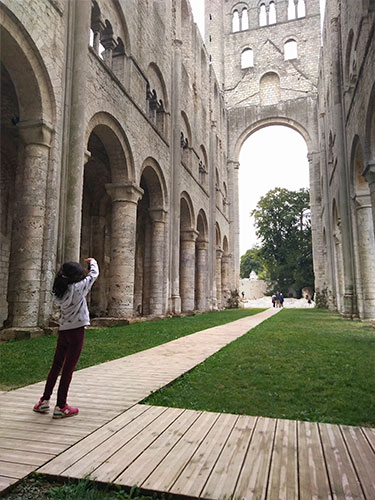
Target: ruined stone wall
(135, 119)
(346, 89)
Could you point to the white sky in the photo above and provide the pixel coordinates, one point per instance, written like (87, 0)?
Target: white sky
(271, 157)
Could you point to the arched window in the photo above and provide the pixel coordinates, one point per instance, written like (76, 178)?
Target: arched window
(272, 13)
(269, 89)
(290, 50)
(301, 8)
(247, 59)
(235, 21)
(244, 19)
(291, 10)
(262, 15)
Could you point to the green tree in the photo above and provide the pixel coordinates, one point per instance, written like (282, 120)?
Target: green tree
(283, 224)
(252, 260)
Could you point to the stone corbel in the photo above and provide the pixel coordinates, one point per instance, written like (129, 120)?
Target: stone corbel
(369, 172)
(189, 234)
(36, 132)
(124, 192)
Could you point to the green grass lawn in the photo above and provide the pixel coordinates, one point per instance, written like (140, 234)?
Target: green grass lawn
(27, 361)
(300, 364)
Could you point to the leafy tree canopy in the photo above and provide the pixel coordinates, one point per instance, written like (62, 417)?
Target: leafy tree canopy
(252, 261)
(283, 225)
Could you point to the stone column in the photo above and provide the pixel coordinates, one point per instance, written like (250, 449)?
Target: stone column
(175, 299)
(158, 217)
(234, 228)
(219, 255)
(349, 299)
(366, 261)
(187, 269)
(123, 232)
(202, 274)
(212, 160)
(73, 162)
(28, 227)
(225, 285)
(369, 174)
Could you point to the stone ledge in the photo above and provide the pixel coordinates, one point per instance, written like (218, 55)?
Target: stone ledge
(19, 333)
(108, 322)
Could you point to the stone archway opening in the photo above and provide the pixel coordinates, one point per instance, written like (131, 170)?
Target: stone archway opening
(271, 155)
(149, 288)
(201, 262)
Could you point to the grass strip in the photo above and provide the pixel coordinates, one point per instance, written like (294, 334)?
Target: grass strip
(300, 364)
(25, 362)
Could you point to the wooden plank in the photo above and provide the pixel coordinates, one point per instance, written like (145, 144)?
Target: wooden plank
(362, 456)
(193, 478)
(283, 480)
(343, 478)
(313, 477)
(135, 442)
(38, 447)
(5, 482)
(92, 441)
(41, 427)
(370, 436)
(164, 476)
(223, 478)
(16, 471)
(20, 457)
(145, 464)
(252, 481)
(33, 435)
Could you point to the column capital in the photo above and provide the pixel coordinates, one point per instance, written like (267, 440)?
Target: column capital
(87, 155)
(369, 172)
(219, 253)
(36, 132)
(189, 234)
(234, 164)
(202, 244)
(124, 192)
(158, 214)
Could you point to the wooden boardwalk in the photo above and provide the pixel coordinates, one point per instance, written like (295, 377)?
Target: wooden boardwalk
(221, 456)
(183, 452)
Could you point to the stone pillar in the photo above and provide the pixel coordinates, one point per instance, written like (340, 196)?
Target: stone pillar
(219, 255)
(73, 162)
(212, 160)
(234, 228)
(158, 217)
(202, 274)
(225, 285)
(187, 269)
(175, 299)
(366, 261)
(123, 232)
(28, 227)
(349, 300)
(369, 174)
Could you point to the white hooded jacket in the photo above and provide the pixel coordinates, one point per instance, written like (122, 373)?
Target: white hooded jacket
(74, 310)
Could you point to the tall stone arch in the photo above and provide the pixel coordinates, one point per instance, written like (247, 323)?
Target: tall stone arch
(28, 227)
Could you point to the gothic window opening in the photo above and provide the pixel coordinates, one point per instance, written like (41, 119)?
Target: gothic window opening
(244, 19)
(272, 13)
(262, 15)
(291, 10)
(301, 9)
(290, 50)
(247, 59)
(235, 21)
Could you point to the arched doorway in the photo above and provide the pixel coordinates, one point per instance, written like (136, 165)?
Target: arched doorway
(27, 118)
(201, 262)
(150, 285)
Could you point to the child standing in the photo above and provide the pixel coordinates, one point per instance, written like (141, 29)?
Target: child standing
(70, 288)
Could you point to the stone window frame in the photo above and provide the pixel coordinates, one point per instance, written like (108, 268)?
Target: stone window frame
(264, 10)
(287, 43)
(296, 9)
(250, 51)
(237, 15)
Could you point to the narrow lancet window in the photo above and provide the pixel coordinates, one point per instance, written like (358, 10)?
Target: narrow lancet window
(235, 22)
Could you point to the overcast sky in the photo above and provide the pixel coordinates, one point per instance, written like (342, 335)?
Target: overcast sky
(271, 157)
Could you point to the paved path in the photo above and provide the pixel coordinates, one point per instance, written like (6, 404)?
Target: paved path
(188, 453)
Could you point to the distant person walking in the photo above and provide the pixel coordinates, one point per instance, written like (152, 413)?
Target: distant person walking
(70, 288)
(281, 299)
(274, 300)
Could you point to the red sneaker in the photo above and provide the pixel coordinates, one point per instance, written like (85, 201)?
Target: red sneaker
(42, 406)
(67, 411)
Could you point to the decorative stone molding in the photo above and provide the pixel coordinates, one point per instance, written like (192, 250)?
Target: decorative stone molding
(124, 192)
(369, 172)
(36, 132)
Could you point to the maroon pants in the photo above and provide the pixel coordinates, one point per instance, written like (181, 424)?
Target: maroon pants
(68, 351)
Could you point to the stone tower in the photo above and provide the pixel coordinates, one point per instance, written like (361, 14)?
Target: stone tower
(265, 54)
